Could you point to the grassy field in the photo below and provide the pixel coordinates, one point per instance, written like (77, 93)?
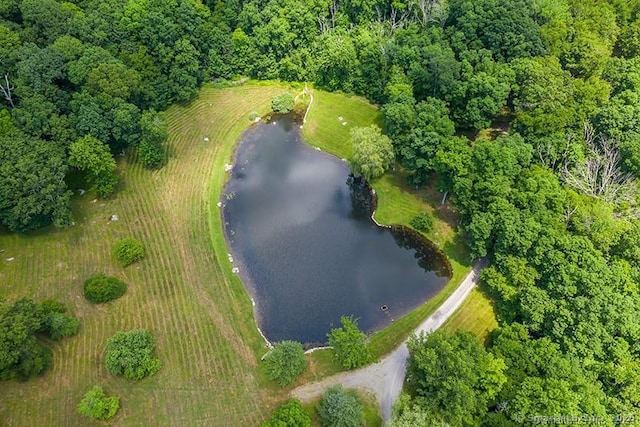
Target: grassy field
(476, 315)
(183, 291)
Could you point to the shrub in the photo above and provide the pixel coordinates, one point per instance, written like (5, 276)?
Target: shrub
(100, 288)
(285, 362)
(56, 323)
(253, 116)
(349, 344)
(127, 251)
(339, 408)
(422, 222)
(61, 325)
(131, 354)
(282, 103)
(151, 153)
(97, 405)
(289, 414)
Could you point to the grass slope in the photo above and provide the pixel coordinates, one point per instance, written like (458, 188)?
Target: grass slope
(183, 292)
(476, 315)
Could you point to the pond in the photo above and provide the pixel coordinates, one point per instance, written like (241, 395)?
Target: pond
(301, 236)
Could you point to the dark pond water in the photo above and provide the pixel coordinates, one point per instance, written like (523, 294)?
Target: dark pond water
(305, 244)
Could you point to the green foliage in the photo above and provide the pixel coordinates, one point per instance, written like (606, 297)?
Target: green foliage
(289, 414)
(339, 408)
(131, 354)
(507, 29)
(32, 188)
(60, 325)
(127, 251)
(100, 288)
(285, 362)
(349, 344)
(422, 222)
(282, 103)
(372, 152)
(407, 413)
(97, 405)
(152, 155)
(453, 376)
(336, 61)
(153, 134)
(91, 155)
(21, 353)
(21, 356)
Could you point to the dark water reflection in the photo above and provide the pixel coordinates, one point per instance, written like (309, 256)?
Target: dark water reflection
(300, 232)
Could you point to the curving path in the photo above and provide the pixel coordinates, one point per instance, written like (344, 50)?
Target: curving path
(385, 378)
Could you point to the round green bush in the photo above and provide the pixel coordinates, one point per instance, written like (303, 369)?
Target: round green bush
(282, 103)
(127, 251)
(340, 408)
(422, 222)
(286, 362)
(101, 288)
(97, 405)
(132, 354)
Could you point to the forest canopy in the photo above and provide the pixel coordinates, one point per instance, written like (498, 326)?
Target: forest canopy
(526, 112)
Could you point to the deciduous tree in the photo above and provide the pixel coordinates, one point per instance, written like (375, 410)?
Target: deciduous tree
(349, 344)
(372, 152)
(285, 362)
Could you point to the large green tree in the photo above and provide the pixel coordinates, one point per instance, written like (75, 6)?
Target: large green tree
(92, 156)
(32, 188)
(372, 152)
(453, 376)
(22, 353)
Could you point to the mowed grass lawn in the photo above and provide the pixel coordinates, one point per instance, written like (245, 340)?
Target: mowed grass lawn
(183, 291)
(475, 315)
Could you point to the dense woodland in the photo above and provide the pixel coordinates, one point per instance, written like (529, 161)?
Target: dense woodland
(526, 112)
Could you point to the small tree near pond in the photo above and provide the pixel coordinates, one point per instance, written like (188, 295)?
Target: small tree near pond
(372, 152)
(422, 222)
(350, 344)
(285, 362)
(282, 103)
